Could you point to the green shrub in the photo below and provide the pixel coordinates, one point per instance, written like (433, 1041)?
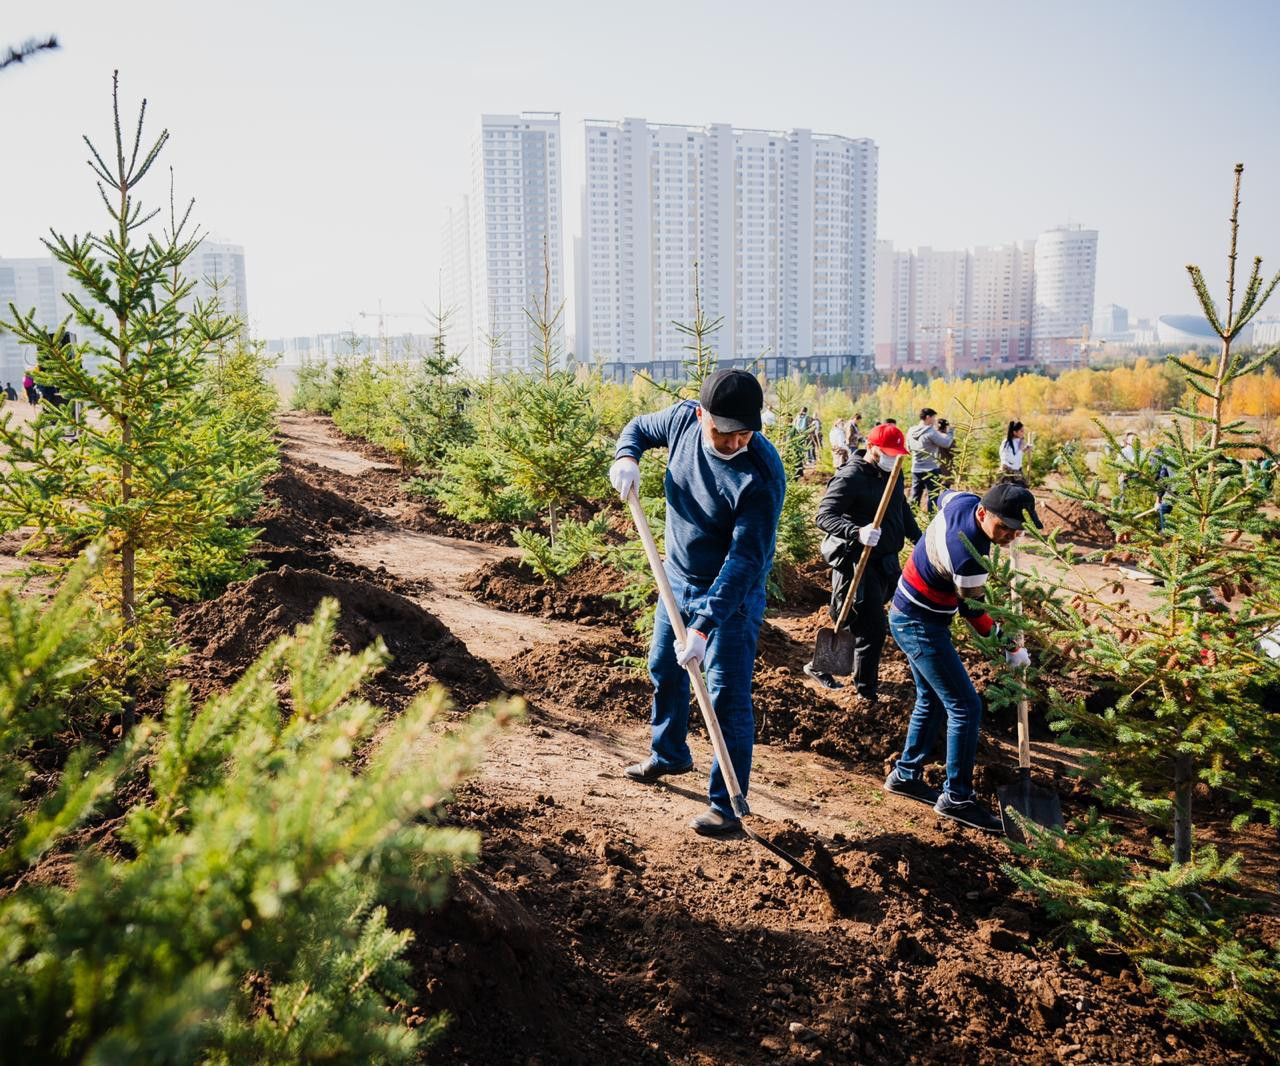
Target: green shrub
(243, 918)
(1182, 925)
(578, 542)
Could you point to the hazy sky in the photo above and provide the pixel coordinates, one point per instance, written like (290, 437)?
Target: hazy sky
(327, 137)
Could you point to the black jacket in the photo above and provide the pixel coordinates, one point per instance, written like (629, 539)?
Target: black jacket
(850, 502)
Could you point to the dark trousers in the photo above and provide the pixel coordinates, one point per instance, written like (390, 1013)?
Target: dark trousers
(929, 481)
(866, 620)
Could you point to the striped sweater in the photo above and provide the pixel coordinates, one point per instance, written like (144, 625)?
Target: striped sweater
(942, 572)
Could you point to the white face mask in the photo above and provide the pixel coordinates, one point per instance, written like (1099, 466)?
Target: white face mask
(718, 453)
(885, 462)
(713, 450)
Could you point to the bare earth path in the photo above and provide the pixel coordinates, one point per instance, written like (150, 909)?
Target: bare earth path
(596, 927)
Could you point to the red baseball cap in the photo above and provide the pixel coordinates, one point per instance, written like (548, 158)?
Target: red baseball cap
(888, 439)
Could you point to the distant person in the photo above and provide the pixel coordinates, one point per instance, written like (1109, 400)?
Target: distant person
(839, 440)
(815, 439)
(29, 387)
(1012, 454)
(1128, 454)
(10, 393)
(927, 443)
(853, 430)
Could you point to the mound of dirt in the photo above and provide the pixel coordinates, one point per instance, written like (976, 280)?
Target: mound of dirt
(585, 676)
(580, 596)
(1074, 522)
(303, 504)
(591, 946)
(806, 586)
(227, 634)
(426, 516)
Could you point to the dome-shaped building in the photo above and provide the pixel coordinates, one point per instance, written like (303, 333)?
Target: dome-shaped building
(1193, 331)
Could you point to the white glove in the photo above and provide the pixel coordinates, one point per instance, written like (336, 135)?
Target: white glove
(869, 535)
(624, 476)
(1019, 657)
(694, 651)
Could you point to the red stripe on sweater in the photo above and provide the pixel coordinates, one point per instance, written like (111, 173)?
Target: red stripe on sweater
(918, 584)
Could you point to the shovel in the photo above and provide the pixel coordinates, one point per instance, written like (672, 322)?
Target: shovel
(833, 650)
(1035, 804)
(709, 719)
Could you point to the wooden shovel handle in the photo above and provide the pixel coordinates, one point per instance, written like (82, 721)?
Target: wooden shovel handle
(866, 551)
(1024, 706)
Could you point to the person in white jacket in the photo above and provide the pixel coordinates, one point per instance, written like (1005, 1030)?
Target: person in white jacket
(1013, 453)
(839, 443)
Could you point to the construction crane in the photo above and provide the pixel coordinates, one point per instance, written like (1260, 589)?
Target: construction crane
(382, 316)
(949, 340)
(1082, 345)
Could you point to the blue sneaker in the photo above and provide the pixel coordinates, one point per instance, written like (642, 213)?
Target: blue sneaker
(911, 789)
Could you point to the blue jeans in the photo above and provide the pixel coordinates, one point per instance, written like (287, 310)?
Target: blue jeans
(730, 661)
(944, 693)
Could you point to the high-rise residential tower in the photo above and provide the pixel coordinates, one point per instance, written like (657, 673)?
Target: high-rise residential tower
(1066, 265)
(780, 223)
(502, 238)
(979, 310)
(39, 284)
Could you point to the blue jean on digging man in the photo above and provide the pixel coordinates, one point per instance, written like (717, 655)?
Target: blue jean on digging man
(729, 664)
(944, 694)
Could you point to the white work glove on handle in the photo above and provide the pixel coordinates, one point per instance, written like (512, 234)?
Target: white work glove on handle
(1019, 657)
(869, 535)
(693, 651)
(624, 476)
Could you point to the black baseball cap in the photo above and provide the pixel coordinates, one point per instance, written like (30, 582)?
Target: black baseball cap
(733, 399)
(1009, 502)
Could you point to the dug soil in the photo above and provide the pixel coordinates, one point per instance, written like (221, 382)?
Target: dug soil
(1073, 522)
(595, 926)
(587, 594)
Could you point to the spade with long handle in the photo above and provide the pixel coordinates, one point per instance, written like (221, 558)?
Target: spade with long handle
(736, 799)
(1036, 804)
(833, 650)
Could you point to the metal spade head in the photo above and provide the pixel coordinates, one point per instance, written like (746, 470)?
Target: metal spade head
(1035, 804)
(833, 652)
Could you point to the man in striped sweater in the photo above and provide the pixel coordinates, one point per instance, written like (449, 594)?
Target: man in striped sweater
(941, 579)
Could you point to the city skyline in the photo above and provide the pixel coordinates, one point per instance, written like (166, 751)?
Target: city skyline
(329, 146)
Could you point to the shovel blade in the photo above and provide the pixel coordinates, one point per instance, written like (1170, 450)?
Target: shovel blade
(833, 652)
(1035, 804)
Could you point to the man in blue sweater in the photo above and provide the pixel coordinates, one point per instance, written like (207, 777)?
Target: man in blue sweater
(944, 577)
(724, 489)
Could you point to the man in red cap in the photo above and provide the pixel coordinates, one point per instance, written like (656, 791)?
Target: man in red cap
(846, 515)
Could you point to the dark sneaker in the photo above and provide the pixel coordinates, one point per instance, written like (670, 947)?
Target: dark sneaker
(969, 812)
(711, 823)
(651, 770)
(825, 680)
(914, 790)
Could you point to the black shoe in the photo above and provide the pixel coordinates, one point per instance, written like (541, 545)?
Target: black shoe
(914, 790)
(651, 770)
(969, 812)
(825, 680)
(711, 823)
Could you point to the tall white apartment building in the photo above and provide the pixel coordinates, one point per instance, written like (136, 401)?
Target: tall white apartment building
(499, 241)
(972, 311)
(781, 225)
(40, 284)
(1066, 265)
